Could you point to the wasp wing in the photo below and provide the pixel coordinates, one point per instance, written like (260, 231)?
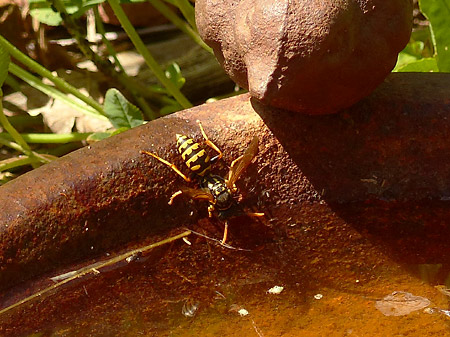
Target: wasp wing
(239, 165)
(196, 193)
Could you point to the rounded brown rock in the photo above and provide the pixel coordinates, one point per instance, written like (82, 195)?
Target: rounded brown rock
(309, 56)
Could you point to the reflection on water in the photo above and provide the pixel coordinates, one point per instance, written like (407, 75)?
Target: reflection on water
(429, 272)
(352, 255)
(435, 274)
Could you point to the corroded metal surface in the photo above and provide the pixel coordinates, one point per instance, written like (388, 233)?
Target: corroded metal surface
(309, 56)
(352, 256)
(392, 145)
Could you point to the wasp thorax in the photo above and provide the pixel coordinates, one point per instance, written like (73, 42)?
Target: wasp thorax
(224, 200)
(223, 197)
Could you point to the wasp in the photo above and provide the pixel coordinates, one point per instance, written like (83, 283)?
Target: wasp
(220, 192)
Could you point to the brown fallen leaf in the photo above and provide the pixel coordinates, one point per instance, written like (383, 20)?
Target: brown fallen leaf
(401, 303)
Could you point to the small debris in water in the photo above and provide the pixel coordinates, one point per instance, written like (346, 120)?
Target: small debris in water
(275, 290)
(444, 312)
(133, 257)
(429, 311)
(220, 295)
(239, 309)
(243, 312)
(401, 303)
(435, 310)
(318, 296)
(443, 290)
(190, 308)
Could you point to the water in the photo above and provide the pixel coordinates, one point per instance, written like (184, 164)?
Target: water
(333, 262)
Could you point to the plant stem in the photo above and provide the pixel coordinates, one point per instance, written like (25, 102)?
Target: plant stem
(188, 12)
(36, 157)
(61, 84)
(102, 32)
(50, 138)
(93, 269)
(148, 112)
(13, 83)
(13, 132)
(181, 24)
(7, 142)
(149, 59)
(52, 92)
(103, 64)
(10, 163)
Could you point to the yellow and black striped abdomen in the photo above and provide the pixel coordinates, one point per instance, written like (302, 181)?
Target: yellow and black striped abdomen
(194, 155)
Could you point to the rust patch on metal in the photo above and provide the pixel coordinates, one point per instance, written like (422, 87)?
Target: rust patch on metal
(391, 146)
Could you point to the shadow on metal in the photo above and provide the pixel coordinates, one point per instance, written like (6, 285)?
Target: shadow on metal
(392, 146)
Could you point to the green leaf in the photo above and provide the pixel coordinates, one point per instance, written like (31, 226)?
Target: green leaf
(419, 47)
(403, 59)
(4, 64)
(120, 112)
(47, 16)
(92, 2)
(411, 53)
(168, 109)
(422, 35)
(438, 13)
(173, 73)
(414, 48)
(42, 10)
(188, 11)
(422, 65)
(98, 136)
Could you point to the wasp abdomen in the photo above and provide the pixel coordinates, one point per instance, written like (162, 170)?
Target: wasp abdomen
(194, 155)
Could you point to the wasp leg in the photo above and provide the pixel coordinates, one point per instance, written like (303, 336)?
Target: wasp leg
(225, 233)
(256, 214)
(210, 210)
(210, 143)
(176, 194)
(172, 166)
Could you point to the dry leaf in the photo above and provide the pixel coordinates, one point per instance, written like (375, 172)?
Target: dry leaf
(401, 303)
